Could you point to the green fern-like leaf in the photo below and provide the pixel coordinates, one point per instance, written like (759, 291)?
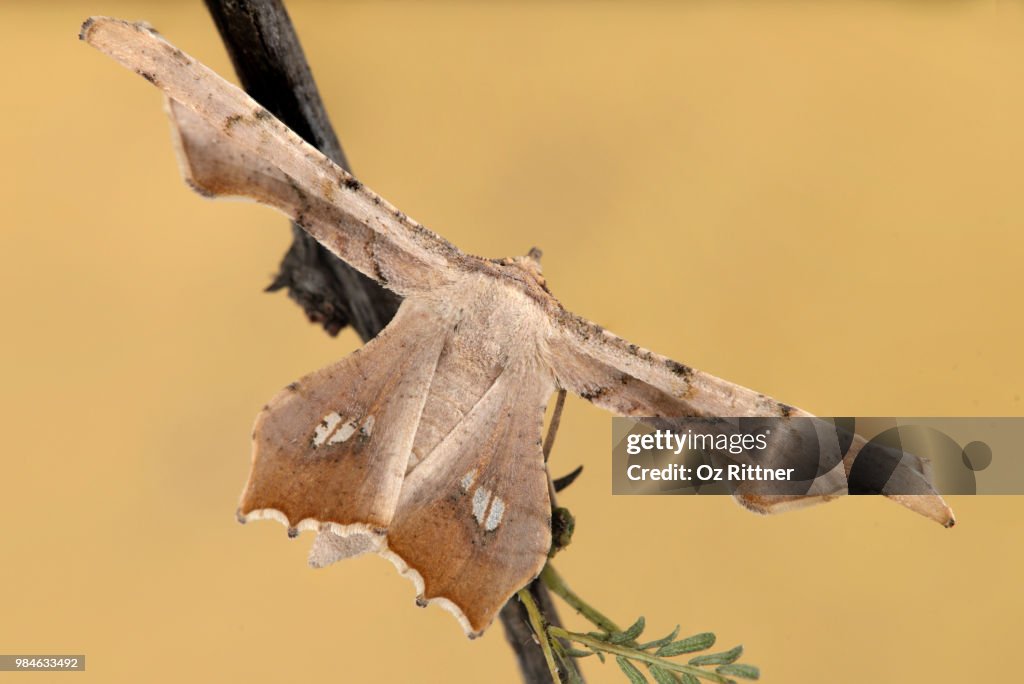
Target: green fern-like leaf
(630, 634)
(658, 643)
(634, 675)
(723, 658)
(739, 670)
(662, 676)
(697, 642)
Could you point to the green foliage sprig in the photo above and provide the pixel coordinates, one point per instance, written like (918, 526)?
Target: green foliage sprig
(624, 645)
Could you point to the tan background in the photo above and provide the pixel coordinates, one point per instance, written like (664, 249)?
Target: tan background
(821, 203)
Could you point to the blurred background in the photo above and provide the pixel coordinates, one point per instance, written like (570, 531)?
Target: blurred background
(819, 201)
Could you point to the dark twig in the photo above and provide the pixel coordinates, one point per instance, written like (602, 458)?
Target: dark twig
(271, 65)
(269, 61)
(520, 637)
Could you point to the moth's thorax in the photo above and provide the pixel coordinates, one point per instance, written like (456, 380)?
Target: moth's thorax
(494, 321)
(521, 274)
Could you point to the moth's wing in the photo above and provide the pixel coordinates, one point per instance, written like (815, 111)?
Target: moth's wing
(214, 164)
(331, 450)
(629, 380)
(233, 146)
(473, 524)
(331, 546)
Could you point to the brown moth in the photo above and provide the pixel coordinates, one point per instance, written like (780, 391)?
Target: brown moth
(425, 445)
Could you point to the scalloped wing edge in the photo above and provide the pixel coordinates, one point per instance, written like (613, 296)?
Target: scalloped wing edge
(380, 547)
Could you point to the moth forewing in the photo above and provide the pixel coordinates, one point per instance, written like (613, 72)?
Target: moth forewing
(632, 381)
(234, 146)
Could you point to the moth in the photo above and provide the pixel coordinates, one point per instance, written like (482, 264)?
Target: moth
(424, 446)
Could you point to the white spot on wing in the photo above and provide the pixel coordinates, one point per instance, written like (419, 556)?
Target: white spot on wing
(467, 480)
(494, 516)
(481, 497)
(325, 428)
(343, 433)
(367, 426)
